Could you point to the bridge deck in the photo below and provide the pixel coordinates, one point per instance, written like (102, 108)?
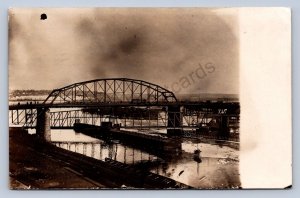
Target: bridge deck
(124, 104)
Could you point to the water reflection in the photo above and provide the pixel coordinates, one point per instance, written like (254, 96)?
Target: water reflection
(113, 150)
(200, 165)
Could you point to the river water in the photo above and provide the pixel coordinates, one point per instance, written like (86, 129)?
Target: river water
(216, 167)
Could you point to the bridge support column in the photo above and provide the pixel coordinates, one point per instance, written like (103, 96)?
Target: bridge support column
(174, 121)
(43, 129)
(223, 129)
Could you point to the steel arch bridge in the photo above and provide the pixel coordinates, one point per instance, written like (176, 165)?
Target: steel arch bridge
(100, 94)
(134, 103)
(111, 91)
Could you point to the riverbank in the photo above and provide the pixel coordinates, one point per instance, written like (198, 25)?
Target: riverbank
(32, 163)
(31, 169)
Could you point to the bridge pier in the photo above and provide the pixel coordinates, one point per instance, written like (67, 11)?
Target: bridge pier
(174, 121)
(223, 128)
(43, 128)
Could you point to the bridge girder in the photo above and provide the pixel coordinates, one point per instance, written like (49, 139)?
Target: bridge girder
(111, 90)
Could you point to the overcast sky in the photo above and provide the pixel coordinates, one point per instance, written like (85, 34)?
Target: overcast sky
(184, 50)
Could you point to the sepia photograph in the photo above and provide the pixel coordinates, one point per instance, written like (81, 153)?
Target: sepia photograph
(124, 98)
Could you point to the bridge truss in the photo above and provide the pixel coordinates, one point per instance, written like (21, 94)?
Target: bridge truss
(113, 90)
(131, 103)
(140, 118)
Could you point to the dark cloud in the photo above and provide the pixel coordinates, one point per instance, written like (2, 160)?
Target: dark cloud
(118, 44)
(157, 45)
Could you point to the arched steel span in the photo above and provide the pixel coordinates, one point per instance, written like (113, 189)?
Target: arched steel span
(111, 90)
